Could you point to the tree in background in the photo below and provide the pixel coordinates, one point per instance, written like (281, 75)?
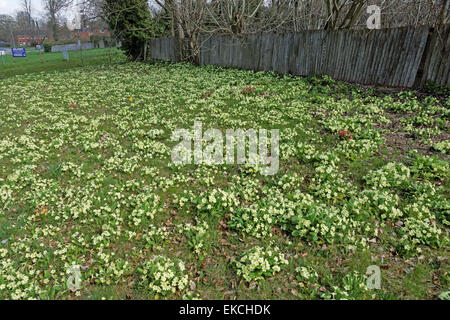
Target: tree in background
(188, 19)
(54, 8)
(26, 9)
(162, 22)
(91, 13)
(131, 23)
(134, 22)
(22, 20)
(7, 23)
(343, 14)
(444, 12)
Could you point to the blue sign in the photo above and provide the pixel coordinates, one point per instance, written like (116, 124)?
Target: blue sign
(18, 53)
(38, 47)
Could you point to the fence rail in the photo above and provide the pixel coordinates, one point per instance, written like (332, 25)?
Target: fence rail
(400, 57)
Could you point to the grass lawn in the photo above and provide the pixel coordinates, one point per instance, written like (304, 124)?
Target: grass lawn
(86, 178)
(55, 60)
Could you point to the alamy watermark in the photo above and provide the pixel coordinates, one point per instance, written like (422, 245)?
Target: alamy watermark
(374, 20)
(74, 280)
(374, 277)
(208, 147)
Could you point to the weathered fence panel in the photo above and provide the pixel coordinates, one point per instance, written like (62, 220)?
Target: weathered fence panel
(163, 49)
(400, 57)
(436, 66)
(72, 47)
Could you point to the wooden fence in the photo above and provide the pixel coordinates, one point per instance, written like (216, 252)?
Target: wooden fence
(436, 62)
(400, 57)
(163, 49)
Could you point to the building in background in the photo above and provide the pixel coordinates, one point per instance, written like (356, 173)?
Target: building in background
(27, 38)
(86, 33)
(82, 28)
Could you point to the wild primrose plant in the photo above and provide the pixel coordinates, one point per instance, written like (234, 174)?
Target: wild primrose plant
(196, 235)
(258, 263)
(351, 286)
(308, 283)
(161, 275)
(430, 167)
(254, 220)
(155, 236)
(422, 231)
(348, 286)
(392, 175)
(442, 146)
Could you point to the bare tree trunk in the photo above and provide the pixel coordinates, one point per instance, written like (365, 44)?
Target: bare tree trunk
(444, 12)
(172, 26)
(54, 28)
(336, 16)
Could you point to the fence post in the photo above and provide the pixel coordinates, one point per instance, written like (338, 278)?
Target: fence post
(109, 53)
(81, 52)
(145, 50)
(40, 55)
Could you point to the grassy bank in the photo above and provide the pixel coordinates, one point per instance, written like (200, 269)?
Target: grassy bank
(51, 61)
(87, 179)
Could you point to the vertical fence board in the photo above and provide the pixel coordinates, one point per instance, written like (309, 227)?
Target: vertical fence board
(403, 53)
(418, 57)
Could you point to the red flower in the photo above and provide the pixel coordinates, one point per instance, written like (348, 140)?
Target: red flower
(207, 94)
(345, 134)
(248, 90)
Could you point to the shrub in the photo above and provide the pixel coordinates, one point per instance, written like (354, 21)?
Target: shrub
(47, 47)
(132, 20)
